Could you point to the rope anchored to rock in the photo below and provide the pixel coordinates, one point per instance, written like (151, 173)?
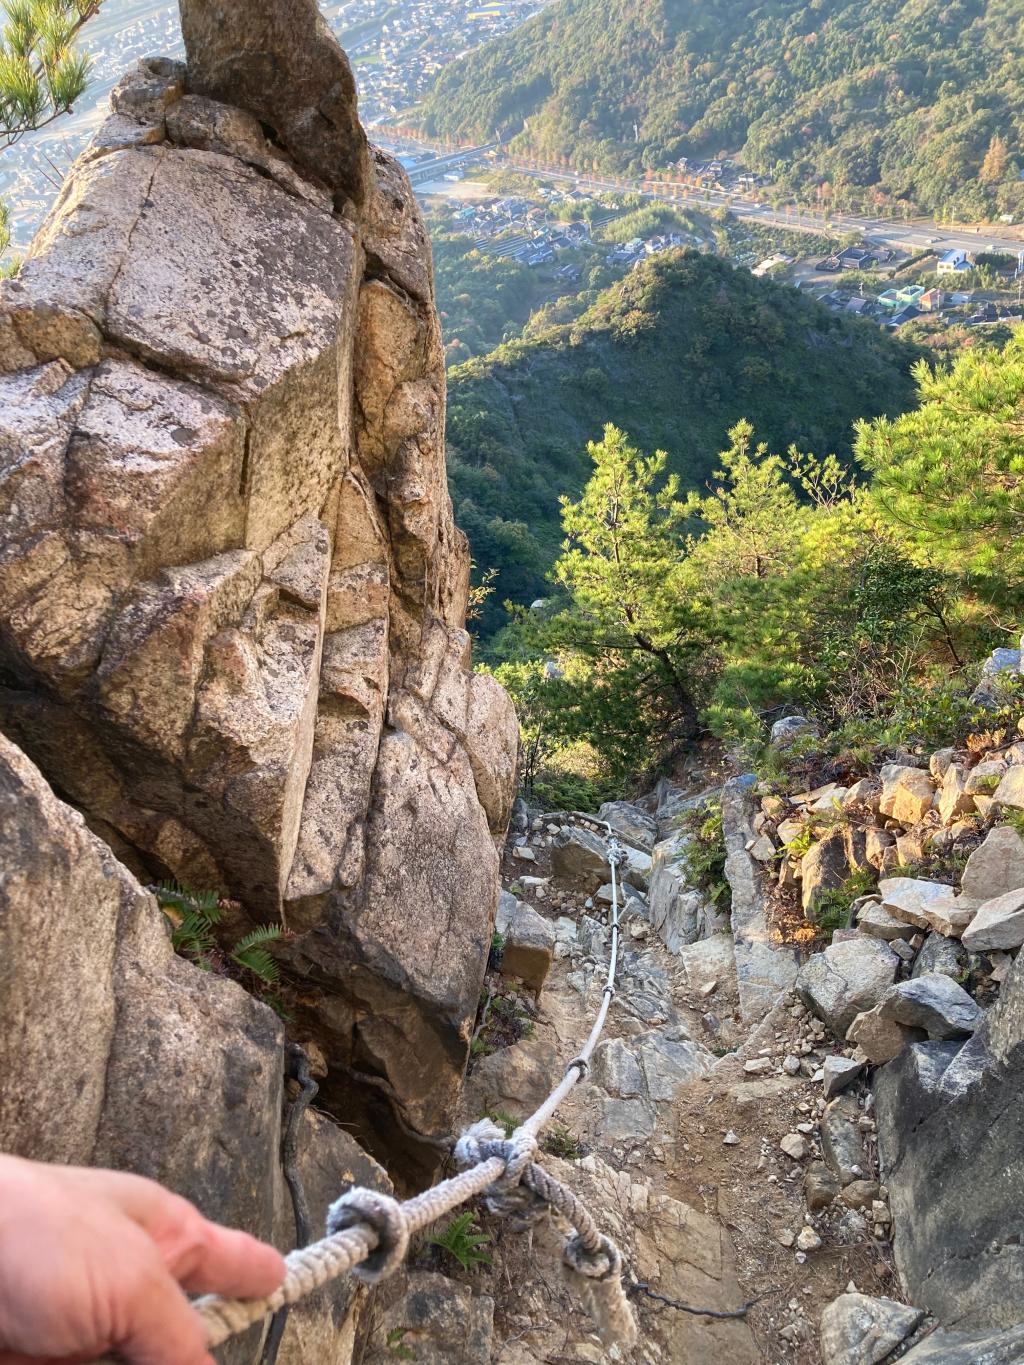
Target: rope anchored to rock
(368, 1233)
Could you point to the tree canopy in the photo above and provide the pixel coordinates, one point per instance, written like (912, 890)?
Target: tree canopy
(787, 585)
(42, 73)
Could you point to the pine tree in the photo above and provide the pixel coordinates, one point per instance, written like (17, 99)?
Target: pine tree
(951, 473)
(622, 567)
(750, 519)
(42, 73)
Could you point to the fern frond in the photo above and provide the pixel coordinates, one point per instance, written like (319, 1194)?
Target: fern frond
(192, 937)
(461, 1240)
(263, 933)
(250, 953)
(174, 896)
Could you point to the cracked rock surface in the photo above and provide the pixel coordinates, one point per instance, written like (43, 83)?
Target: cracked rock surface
(232, 589)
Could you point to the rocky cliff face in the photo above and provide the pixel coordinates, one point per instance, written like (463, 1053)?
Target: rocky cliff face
(232, 596)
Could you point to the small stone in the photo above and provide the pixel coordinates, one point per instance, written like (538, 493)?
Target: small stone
(807, 1239)
(907, 793)
(524, 853)
(791, 1065)
(757, 1065)
(794, 1145)
(838, 1073)
(877, 922)
(841, 1141)
(820, 1186)
(860, 1194)
(881, 1039)
(789, 729)
(939, 762)
(731, 1139)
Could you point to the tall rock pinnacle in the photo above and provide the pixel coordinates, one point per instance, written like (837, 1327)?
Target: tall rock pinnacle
(279, 60)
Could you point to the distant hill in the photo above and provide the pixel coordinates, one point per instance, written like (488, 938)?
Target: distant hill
(674, 354)
(919, 101)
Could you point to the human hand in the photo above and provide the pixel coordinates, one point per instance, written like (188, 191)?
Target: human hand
(95, 1263)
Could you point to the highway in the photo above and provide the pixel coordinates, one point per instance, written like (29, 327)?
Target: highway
(427, 171)
(916, 235)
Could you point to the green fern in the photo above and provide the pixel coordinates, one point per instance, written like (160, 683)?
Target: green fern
(194, 916)
(507, 1121)
(250, 953)
(394, 1343)
(198, 912)
(178, 897)
(461, 1240)
(559, 1141)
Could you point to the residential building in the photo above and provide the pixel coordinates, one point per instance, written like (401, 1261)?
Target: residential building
(953, 262)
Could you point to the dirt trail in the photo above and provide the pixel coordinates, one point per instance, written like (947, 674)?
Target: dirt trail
(688, 1172)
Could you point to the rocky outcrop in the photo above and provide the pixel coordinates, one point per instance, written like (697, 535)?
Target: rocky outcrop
(680, 911)
(117, 1052)
(764, 967)
(232, 592)
(949, 1141)
(280, 62)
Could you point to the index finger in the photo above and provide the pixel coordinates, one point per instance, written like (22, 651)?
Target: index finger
(222, 1261)
(204, 1257)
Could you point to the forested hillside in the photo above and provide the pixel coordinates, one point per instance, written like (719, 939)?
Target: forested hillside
(674, 354)
(882, 101)
(788, 584)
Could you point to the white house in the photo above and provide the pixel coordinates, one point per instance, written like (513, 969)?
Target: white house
(952, 262)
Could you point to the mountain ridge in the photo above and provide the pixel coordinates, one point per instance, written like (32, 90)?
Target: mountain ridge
(675, 354)
(894, 103)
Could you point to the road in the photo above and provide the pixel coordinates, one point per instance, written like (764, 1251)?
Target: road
(916, 235)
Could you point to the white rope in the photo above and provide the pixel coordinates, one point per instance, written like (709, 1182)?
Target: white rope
(369, 1232)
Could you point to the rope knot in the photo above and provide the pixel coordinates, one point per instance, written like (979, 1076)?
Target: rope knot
(477, 1142)
(603, 1264)
(485, 1140)
(386, 1218)
(520, 1149)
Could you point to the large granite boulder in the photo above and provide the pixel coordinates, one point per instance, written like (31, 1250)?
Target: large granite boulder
(114, 1050)
(631, 823)
(232, 590)
(859, 1330)
(847, 978)
(949, 1143)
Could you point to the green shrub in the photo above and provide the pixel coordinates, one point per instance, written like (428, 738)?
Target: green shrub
(706, 854)
(560, 1142)
(833, 910)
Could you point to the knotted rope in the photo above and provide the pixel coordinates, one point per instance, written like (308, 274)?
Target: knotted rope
(368, 1233)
